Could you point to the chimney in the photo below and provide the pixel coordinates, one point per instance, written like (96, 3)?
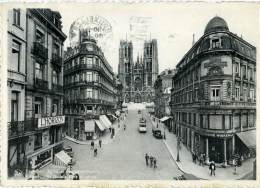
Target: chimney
(193, 39)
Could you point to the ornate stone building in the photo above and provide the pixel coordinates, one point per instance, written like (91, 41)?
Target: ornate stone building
(35, 88)
(138, 77)
(90, 89)
(213, 101)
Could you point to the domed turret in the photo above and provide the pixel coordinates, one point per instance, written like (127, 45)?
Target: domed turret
(216, 24)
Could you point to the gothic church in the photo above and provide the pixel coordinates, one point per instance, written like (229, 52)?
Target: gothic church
(138, 77)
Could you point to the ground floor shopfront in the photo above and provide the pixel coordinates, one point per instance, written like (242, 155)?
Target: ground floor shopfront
(87, 128)
(218, 147)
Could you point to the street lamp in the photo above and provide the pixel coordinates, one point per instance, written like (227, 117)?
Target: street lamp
(178, 147)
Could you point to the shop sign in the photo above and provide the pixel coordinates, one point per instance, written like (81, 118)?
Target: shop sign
(218, 135)
(49, 121)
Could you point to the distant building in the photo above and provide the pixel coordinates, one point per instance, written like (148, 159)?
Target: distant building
(90, 88)
(213, 100)
(36, 108)
(138, 78)
(162, 86)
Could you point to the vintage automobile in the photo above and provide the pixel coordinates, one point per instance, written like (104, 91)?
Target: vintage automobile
(157, 134)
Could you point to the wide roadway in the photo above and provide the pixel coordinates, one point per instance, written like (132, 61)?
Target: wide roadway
(124, 157)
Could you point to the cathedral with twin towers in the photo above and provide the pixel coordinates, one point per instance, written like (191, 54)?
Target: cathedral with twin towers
(138, 76)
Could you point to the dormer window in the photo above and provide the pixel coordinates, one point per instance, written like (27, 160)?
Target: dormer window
(39, 36)
(215, 43)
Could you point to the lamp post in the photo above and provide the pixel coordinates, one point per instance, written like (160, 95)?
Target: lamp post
(178, 147)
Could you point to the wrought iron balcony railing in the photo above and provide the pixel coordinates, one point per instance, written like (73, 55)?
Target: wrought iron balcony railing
(40, 84)
(40, 51)
(57, 88)
(20, 128)
(56, 60)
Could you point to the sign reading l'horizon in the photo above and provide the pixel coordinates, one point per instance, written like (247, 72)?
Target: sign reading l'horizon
(49, 121)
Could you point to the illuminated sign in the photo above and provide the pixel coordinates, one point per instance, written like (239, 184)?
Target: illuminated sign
(49, 121)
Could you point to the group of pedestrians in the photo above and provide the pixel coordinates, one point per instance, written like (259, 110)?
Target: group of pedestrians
(200, 158)
(150, 161)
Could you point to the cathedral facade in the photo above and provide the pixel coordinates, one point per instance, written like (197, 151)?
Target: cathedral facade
(138, 76)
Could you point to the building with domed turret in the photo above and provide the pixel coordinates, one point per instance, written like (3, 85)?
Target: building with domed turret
(213, 101)
(138, 77)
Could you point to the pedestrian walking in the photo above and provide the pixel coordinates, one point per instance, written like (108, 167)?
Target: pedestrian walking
(124, 127)
(204, 159)
(151, 161)
(109, 129)
(212, 168)
(200, 159)
(154, 163)
(147, 159)
(195, 158)
(100, 142)
(95, 152)
(92, 144)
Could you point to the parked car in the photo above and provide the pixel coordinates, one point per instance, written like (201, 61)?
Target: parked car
(157, 134)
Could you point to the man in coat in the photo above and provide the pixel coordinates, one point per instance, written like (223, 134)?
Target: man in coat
(212, 168)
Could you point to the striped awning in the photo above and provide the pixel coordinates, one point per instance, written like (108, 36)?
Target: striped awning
(165, 118)
(248, 138)
(62, 158)
(89, 126)
(100, 125)
(105, 121)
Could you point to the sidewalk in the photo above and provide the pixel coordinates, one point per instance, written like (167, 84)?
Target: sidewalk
(187, 166)
(106, 138)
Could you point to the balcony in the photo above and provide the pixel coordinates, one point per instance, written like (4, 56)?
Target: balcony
(56, 60)
(57, 88)
(40, 84)
(40, 51)
(228, 104)
(21, 128)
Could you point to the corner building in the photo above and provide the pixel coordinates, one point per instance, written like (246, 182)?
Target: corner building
(138, 78)
(90, 88)
(214, 100)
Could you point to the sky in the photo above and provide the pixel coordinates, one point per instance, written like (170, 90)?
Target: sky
(173, 25)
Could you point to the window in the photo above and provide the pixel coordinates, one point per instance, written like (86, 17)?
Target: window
(14, 106)
(243, 70)
(38, 70)
(250, 74)
(89, 93)
(39, 36)
(16, 48)
(251, 94)
(55, 77)
(215, 93)
(215, 122)
(89, 77)
(245, 94)
(38, 107)
(237, 93)
(82, 60)
(216, 43)
(38, 141)
(56, 49)
(89, 61)
(55, 104)
(194, 119)
(16, 16)
(237, 69)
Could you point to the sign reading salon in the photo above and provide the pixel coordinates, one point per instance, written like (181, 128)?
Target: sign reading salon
(49, 121)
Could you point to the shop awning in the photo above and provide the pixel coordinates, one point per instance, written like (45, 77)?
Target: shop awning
(105, 121)
(89, 126)
(165, 118)
(62, 158)
(100, 125)
(248, 138)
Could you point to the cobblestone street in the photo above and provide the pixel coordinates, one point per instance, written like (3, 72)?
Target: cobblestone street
(124, 157)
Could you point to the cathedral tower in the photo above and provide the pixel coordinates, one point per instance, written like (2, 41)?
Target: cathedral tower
(150, 62)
